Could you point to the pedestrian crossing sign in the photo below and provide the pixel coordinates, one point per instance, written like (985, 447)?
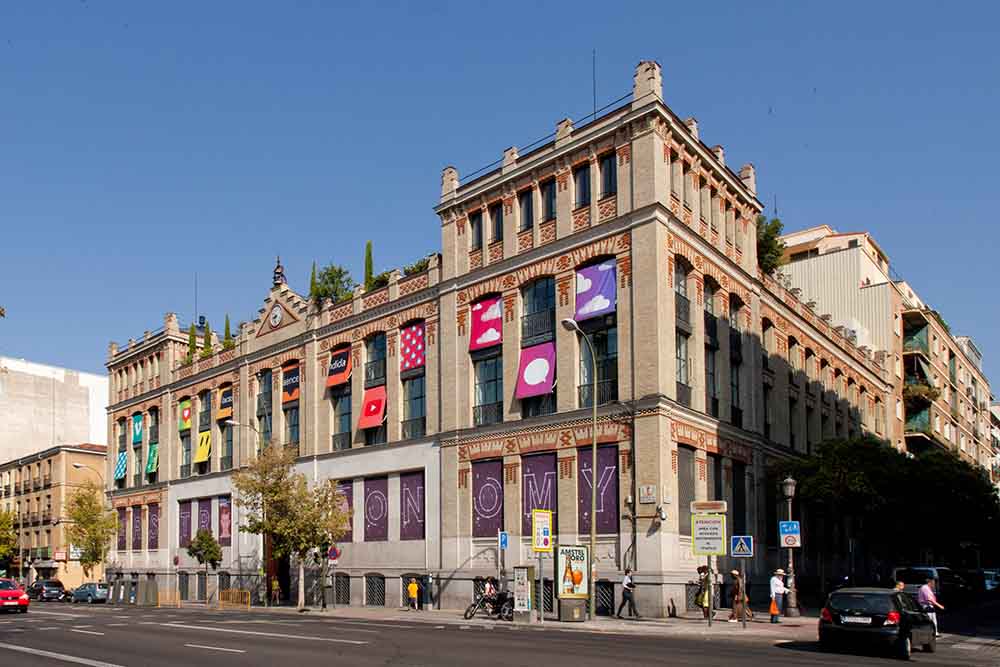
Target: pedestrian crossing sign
(741, 546)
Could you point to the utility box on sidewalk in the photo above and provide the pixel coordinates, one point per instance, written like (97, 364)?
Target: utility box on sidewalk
(572, 611)
(525, 608)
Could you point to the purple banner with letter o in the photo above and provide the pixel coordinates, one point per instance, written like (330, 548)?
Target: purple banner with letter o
(376, 509)
(607, 489)
(538, 487)
(411, 506)
(487, 498)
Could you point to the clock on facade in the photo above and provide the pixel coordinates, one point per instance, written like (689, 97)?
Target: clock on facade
(276, 314)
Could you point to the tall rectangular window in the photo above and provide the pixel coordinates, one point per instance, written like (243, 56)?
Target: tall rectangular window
(375, 360)
(526, 206)
(488, 391)
(496, 221)
(476, 229)
(186, 454)
(549, 200)
(734, 385)
(292, 425)
(609, 175)
(685, 488)
(710, 387)
(342, 412)
(414, 416)
(581, 186)
(681, 357)
(226, 460)
(605, 344)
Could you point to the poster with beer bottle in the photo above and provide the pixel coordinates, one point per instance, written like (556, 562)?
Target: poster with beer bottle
(573, 566)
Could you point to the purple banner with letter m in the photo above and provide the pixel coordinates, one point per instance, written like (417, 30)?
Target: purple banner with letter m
(411, 510)
(607, 489)
(376, 509)
(487, 498)
(538, 487)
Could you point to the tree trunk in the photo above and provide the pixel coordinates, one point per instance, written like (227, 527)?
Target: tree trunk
(302, 582)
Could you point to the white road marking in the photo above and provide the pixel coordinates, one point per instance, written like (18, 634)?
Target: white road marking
(88, 632)
(50, 627)
(378, 625)
(57, 656)
(126, 616)
(55, 613)
(117, 625)
(83, 626)
(263, 634)
(216, 648)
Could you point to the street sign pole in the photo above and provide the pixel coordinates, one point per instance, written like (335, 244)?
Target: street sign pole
(540, 598)
(711, 591)
(743, 603)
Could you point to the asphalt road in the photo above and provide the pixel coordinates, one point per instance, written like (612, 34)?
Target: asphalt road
(107, 636)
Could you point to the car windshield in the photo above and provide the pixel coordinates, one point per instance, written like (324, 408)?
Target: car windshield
(860, 603)
(102, 587)
(7, 586)
(53, 584)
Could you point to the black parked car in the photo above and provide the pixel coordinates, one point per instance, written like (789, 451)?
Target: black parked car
(46, 590)
(875, 616)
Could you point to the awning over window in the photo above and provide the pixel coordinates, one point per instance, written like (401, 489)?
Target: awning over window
(204, 447)
(373, 408)
(225, 404)
(290, 384)
(411, 347)
(153, 460)
(596, 292)
(121, 465)
(137, 429)
(537, 370)
(339, 370)
(487, 324)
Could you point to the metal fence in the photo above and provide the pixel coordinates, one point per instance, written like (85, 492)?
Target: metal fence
(234, 598)
(374, 590)
(342, 587)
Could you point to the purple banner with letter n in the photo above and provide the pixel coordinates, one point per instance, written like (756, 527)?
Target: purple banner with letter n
(122, 530)
(137, 528)
(184, 523)
(411, 506)
(607, 489)
(153, 528)
(347, 489)
(538, 487)
(487, 498)
(377, 509)
(205, 515)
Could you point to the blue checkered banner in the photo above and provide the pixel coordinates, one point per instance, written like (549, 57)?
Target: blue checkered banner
(120, 466)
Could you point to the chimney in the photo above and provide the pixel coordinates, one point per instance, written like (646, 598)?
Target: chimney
(449, 183)
(720, 154)
(509, 159)
(170, 324)
(564, 131)
(749, 177)
(692, 126)
(648, 81)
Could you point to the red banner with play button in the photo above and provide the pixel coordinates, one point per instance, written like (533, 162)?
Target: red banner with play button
(373, 408)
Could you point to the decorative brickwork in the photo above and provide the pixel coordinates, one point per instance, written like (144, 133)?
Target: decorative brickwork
(376, 298)
(607, 208)
(701, 463)
(624, 154)
(414, 284)
(463, 477)
(496, 252)
(562, 179)
(687, 434)
(463, 312)
(525, 240)
(510, 472)
(564, 286)
(547, 232)
(566, 467)
(624, 272)
(509, 300)
(581, 218)
(475, 259)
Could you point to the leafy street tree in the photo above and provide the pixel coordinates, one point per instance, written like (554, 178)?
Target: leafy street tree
(769, 245)
(369, 266)
(192, 344)
(227, 338)
(206, 550)
(91, 526)
(333, 282)
(8, 537)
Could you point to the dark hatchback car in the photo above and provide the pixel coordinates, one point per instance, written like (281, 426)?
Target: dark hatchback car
(46, 589)
(873, 617)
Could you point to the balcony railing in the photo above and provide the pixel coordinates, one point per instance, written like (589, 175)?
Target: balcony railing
(204, 421)
(46, 481)
(607, 392)
(414, 428)
(536, 406)
(137, 479)
(47, 516)
(919, 422)
(490, 413)
(263, 403)
(226, 462)
(341, 441)
(917, 343)
(375, 373)
(33, 517)
(538, 327)
(185, 471)
(7, 490)
(36, 483)
(684, 394)
(682, 306)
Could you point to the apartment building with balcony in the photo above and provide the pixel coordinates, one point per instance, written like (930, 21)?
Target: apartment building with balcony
(940, 394)
(452, 402)
(36, 489)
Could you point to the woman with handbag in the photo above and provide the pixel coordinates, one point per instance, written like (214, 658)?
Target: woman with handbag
(703, 590)
(778, 591)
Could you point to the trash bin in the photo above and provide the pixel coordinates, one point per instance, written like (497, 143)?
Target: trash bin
(572, 611)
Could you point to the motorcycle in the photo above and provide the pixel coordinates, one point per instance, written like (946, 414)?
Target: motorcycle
(500, 605)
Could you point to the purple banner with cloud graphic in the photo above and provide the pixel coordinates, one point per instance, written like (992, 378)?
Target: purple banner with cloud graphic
(537, 370)
(487, 323)
(377, 509)
(607, 489)
(595, 290)
(538, 487)
(411, 506)
(487, 498)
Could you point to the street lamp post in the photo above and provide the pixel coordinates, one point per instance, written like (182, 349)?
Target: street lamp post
(572, 325)
(792, 607)
(263, 508)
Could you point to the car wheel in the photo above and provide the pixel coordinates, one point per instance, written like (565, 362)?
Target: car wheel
(904, 648)
(931, 646)
(90, 599)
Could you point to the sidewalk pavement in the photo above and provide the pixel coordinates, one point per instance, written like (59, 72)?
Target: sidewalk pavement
(790, 629)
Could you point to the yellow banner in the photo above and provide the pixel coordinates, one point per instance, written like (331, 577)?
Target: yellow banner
(204, 447)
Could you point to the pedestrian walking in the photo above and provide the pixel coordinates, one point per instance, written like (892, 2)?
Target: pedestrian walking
(412, 589)
(740, 604)
(899, 587)
(927, 600)
(628, 595)
(704, 589)
(778, 591)
(275, 593)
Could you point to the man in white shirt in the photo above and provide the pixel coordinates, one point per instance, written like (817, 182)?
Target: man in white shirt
(778, 591)
(628, 595)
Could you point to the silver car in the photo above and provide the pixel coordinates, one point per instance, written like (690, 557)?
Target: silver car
(91, 593)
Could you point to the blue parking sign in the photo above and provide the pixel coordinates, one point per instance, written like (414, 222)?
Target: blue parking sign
(504, 540)
(790, 534)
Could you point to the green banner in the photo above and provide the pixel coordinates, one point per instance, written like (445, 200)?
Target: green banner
(153, 461)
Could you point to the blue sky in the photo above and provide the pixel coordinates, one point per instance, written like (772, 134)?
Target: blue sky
(143, 142)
